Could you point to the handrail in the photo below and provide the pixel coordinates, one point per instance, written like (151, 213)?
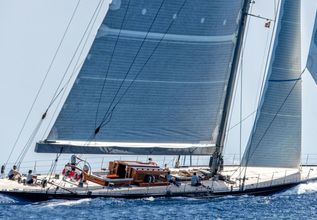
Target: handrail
(98, 162)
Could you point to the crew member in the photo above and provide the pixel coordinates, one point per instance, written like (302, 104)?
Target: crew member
(195, 181)
(30, 178)
(13, 173)
(2, 170)
(171, 179)
(166, 167)
(66, 170)
(150, 161)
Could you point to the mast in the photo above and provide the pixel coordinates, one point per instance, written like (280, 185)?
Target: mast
(217, 155)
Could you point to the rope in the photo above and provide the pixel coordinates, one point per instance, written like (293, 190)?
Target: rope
(62, 91)
(53, 167)
(27, 145)
(57, 93)
(265, 61)
(276, 114)
(238, 77)
(270, 124)
(141, 69)
(129, 69)
(77, 48)
(241, 107)
(42, 83)
(110, 62)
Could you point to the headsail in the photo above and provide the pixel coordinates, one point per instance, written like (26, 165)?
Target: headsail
(312, 56)
(276, 138)
(157, 72)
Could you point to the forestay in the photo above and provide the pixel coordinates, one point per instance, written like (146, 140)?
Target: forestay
(276, 138)
(157, 72)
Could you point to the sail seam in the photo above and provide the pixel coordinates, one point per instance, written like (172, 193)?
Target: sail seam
(284, 80)
(283, 115)
(153, 81)
(107, 31)
(287, 69)
(291, 22)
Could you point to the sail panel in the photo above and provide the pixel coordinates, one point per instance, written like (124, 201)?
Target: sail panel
(312, 56)
(276, 137)
(169, 67)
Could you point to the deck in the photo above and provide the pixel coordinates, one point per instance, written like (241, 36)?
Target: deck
(258, 180)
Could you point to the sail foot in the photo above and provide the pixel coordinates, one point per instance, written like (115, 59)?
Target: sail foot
(123, 149)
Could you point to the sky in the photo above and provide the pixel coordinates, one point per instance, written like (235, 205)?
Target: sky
(30, 34)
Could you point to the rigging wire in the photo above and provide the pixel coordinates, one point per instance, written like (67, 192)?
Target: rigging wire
(27, 145)
(141, 69)
(238, 78)
(241, 88)
(43, 82)
(265, 61)
(77, 66)
(110, 62)
(241, 108)
(57, 92)
(76, 51)
(243, 119)
(54, 164)
(265, 58)
(262, 79)
(261, 93)
(276, 114)
(129, 69)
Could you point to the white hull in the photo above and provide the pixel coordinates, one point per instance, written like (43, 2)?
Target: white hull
(258, 181)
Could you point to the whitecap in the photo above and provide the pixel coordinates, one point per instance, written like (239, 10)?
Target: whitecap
(151, 199)
(303, 188)
(307, 188)
(6, 200)
(55, 203)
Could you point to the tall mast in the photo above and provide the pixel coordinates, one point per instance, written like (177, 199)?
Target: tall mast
(217, 155)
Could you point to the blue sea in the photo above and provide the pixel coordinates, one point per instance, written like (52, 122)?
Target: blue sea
(296, 203)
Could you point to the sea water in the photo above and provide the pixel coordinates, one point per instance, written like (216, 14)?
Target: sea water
(297, 203)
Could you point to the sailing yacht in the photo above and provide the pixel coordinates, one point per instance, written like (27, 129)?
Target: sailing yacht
(159, 79)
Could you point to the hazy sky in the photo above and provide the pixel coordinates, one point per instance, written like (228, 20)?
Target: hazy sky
(30, 34)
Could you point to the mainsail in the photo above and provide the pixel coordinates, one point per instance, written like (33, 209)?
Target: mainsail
(276, 138)
(157, 74)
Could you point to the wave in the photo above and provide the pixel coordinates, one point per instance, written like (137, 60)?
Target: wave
(55, 203)
(310, 187)
(6, 200)
(303, 188)
(151, 199)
